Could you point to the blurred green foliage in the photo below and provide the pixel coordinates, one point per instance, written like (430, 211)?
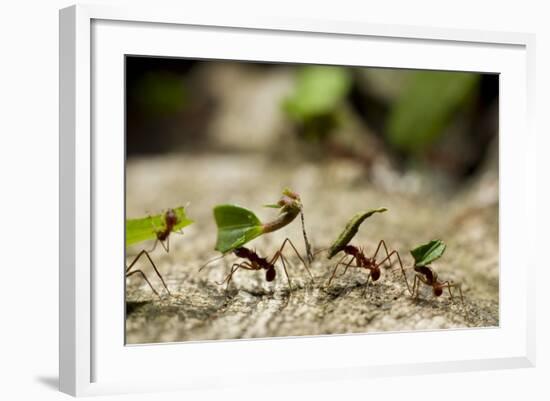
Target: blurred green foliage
(319, 92)
(161, 93)
(426, 106)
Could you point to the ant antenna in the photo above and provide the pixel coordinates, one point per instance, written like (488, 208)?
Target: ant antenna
(210, 261)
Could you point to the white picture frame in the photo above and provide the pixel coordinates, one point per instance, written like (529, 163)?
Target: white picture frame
(93, 358)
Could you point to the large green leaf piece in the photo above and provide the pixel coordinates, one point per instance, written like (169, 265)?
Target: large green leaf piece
(427, 253)
(426, 106)
(319, 90)
(146, 228)
(350, 230)
(236, 227)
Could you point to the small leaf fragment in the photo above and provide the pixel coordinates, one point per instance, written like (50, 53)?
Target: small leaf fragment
(425, 254)
(350, 230)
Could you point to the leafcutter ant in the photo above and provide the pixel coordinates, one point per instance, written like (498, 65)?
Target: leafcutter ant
(357, 254)
(423, 256)
(254, 262)
(140, 229)
(237, 226)
(429, 277)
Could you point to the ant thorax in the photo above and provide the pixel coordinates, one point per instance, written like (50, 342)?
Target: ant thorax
(170, 218)
(427, 272)
(253, 257)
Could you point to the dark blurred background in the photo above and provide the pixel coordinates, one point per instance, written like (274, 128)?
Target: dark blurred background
(402, 119)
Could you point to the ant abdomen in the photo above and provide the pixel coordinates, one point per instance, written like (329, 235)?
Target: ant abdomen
(375, 274)
(270, 274)
(438, 291)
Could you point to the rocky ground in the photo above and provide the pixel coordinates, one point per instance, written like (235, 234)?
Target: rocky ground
(331, 192)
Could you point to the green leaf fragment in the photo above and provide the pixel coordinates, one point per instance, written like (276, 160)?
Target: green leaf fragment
(146, 228)
(350, 230)
(427, 253)
(236, 226)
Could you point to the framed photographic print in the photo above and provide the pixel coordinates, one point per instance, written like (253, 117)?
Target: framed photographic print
(308, 193)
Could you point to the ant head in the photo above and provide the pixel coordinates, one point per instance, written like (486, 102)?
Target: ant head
(241, 252)
(349, 249)
(270, 274)
(375, 273)
(438, 290)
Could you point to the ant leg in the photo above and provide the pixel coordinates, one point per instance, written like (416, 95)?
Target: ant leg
(165, 247)
(167, 244)
(383, 243)
(154, 246)
(366, 286)
(394, 252)
(417, 280)
(336, 268)
(146, 280)
(288, 241)
(230, 275)
(319, 251)
(234, 268)
(348, 265)
(286, 272)
(449, 284)
(144, 252)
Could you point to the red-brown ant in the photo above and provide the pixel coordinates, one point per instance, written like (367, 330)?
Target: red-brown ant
(162, 236)
(170, 221)
(255, 262)
(368, 263)
(429, 277)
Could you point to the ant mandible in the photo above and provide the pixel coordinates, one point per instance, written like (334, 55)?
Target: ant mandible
(255, 262)
(429, 277)
(162, 236)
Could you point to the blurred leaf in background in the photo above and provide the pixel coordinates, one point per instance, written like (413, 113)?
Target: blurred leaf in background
(425, 107)
(319, 92)
(161, 93)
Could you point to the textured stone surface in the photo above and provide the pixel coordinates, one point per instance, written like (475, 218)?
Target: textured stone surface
(332, 192)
